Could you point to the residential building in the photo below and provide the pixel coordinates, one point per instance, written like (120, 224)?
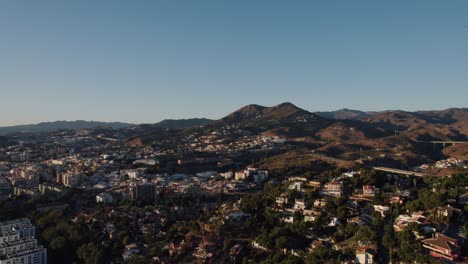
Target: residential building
(369, 190)
(144, 192)
(333, 188)
(227, 175)
(320, 203)
(402, 221)
(282, 200)
(5, 188)
(72, 179)
(240, 175)
(18, 244)
(130, 250)
(299, 204)
(447, 212)
(24, 190)
(261, 176)
(314, 184)
(104, 198)
(237, 215)
(51, 187)
(296, 186)
(310, 215)
(442, 246)
(22, 225)
(365, 256)
(36, 255)
(382, 209)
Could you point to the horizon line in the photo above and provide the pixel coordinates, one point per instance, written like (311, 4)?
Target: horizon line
(187, 118)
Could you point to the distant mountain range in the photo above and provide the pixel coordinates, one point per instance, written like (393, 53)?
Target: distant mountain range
(181, 123)
(345, 114)
(58, 125)
(81, 124)
(345, 133)
(290, 121)
(389, 136)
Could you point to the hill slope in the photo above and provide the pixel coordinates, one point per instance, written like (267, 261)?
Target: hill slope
(281, 112)
(182, 123)
(58, 125)
(284, 118)
(344, 114)
(449, 124)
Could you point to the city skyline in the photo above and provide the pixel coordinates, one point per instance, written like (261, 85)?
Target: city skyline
(142, 63)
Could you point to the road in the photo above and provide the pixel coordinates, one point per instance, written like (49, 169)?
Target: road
(441, 141)
(398, 171)
(379, 168)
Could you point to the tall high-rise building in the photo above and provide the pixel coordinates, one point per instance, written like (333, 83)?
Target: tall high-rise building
(144, 192)
(18, 244)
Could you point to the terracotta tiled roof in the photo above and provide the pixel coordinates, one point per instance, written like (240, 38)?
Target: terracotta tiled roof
(442, 241)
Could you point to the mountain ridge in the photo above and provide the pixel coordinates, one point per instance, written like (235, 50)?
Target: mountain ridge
(292, 121)
(278, 112)
(59, 125)
(51, 126)
(182, 123)
(343, 113)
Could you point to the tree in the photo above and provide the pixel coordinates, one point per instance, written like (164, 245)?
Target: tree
(298, 216)
(408, 244)
(280, 242)
(291, 259)
(58, 243)
(323, 255)
(378, 222)
(226, 244)
(365, 233)
(389, 242)
(351, 229)
(312, 194)
(49, 234)
(91, 253)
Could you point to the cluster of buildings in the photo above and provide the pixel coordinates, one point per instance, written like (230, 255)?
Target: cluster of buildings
(229, 139)
(361, 209)
(18, 244)
(112, 173)
(67, 160)
(444, 164)
(450, 163)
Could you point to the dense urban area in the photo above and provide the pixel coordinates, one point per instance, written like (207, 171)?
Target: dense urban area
(262, 185)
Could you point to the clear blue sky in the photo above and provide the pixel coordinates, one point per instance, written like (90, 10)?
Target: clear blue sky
(143, 61)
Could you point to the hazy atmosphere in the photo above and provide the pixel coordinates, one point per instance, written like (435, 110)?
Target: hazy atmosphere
(243, 131)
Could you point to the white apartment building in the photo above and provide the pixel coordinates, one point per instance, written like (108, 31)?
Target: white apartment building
(333, 189)
(18, 244)
(23, 226)
(37, 255)
(104, 198)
